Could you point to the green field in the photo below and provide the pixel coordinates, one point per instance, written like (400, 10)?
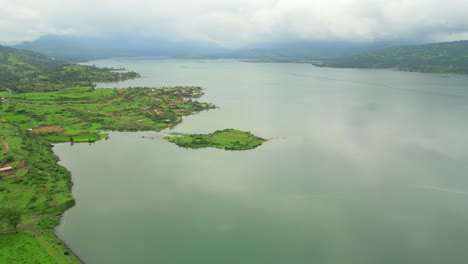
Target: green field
(81, 113)
(228, 139)
(38, 190)
(24, 247)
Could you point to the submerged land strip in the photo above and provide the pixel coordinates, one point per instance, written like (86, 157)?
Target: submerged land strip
(35, 190)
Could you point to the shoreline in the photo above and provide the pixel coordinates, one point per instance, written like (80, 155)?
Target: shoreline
(47, 185)
(74, 115)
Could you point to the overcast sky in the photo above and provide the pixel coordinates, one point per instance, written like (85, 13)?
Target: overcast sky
(240, 22)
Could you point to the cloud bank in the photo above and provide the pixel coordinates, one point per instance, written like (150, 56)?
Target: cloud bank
(240, 22)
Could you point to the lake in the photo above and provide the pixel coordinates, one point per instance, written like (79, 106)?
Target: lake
(363, 166)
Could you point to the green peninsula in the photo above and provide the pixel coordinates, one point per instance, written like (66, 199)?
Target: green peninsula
(228, 139)
(45, 101)
(34, 189)
(79, 114)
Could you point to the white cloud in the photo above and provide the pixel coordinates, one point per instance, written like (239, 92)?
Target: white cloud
(238, 22)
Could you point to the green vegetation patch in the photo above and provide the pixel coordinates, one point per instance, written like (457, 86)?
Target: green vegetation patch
(23, 247)
(79, 114)
(37, 188)
(228, 139)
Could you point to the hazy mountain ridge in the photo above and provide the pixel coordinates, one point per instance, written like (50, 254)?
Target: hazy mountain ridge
(302, 51)
(88, 48)
(448, 57)
(444, 57)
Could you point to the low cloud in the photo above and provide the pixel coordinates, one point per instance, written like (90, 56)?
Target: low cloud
(240, 22)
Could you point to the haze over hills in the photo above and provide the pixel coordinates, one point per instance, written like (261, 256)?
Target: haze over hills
(85, 48)
(445, 57)
(300, 51)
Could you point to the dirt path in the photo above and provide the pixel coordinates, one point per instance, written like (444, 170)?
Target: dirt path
(55, 201)
(40, 239)
(12, 179)
(48, 248)
(5, 147)
(30, 227)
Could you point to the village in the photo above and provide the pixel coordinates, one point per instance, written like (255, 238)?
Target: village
(81, 114)
(9, 167)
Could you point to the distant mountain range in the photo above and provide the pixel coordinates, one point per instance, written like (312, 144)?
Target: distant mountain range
(447, 57)
(301, 51)
(88, 48)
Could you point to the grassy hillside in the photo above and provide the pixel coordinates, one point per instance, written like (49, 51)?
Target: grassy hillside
(30, 246)
(37, 190)
(26, 71)
(448, 57)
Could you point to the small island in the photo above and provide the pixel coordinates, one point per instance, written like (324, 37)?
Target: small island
(228, 139)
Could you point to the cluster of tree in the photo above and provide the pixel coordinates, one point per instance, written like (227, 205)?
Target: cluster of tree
(11, 217)
(449, 57)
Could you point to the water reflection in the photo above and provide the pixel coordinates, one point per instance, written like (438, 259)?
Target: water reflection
(366, 167)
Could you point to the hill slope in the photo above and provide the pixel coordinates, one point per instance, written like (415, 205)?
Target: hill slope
(24, 71)
(448, 57)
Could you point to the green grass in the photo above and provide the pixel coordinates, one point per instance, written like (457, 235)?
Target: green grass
(83, 112)
(32, 247)
(228, 139)
(23, 247)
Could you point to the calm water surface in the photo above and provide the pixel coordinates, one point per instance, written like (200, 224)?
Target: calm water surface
(366, 166)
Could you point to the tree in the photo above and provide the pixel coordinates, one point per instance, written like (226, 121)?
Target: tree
(13, 218)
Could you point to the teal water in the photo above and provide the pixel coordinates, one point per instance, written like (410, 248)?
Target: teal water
(366, 166)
